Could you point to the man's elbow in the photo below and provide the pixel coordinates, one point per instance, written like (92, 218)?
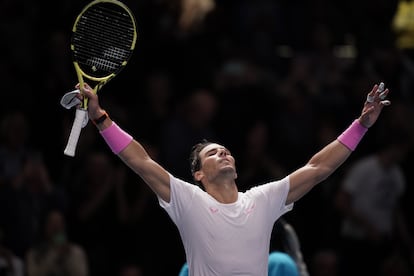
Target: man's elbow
(320, 174)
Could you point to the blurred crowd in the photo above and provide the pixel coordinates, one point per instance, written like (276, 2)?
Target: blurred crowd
(273, 80)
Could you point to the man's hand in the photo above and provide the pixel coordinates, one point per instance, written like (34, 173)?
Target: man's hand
(94, 109)
(373, 105)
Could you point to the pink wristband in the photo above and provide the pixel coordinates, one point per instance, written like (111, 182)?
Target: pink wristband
(353, 135)
(116, 138)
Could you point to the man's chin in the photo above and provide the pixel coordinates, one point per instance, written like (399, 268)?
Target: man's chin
(230, 171)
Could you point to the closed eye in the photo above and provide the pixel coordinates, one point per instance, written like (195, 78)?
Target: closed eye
(212, 152)
(215, 150)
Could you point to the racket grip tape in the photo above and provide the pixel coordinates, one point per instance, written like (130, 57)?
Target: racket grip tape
(75, 132)
(352, 135)
(116, 138)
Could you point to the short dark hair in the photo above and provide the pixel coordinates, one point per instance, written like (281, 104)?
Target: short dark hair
(195, 160)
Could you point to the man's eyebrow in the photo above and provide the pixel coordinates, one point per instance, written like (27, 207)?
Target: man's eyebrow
(211, 150)
(215, 149)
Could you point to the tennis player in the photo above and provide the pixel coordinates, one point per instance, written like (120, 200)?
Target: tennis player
(224, 231)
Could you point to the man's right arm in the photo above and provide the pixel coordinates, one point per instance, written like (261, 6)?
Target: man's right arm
(133, 154)
(157, 178)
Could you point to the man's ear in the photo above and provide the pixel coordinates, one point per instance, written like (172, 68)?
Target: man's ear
(198, 175)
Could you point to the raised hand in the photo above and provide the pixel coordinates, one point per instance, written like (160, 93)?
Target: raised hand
(374, 104)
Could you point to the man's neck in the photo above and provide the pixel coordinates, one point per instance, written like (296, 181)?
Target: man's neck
(225, 192)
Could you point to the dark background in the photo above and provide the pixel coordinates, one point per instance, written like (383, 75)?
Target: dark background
(302, 68)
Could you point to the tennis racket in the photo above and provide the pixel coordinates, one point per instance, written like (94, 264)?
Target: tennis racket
(103, 39)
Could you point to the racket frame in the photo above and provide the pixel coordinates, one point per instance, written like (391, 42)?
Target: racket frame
(81, 111)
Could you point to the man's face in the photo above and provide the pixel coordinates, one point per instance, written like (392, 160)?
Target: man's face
(217, 160)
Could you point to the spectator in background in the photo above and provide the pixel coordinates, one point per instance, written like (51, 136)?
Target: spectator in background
(403, 28)
(193, 13)
(10, 264)
(324, 263)
(130, 269)
(14, 134)
(96, 214)
(373, 225)
(156, 99)
(55, 254)
(107, 214)
(24, 200)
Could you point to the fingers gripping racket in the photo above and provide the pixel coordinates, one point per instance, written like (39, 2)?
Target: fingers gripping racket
(103, 39)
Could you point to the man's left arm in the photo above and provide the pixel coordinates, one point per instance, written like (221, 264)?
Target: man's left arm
(327, 160)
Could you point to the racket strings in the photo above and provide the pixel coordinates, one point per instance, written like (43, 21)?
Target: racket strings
(116, 28)
(103, 39)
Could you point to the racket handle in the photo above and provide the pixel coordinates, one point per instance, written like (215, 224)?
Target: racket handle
(75, 132)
